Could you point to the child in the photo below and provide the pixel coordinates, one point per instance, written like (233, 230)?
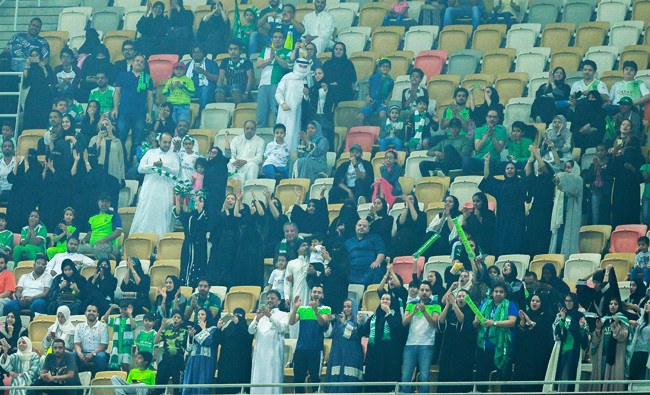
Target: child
(179, 91)
(419, 127)
(140, 376)
(399, 11)
(642, 260)
(393, 131)
(197, 177)
(188, 158)
(276, 154)
(414, 286)
(276, 279)
(388, 186)
(244, 33)
(174, 341)
(8, 132)
(6, 236)
(61, 234)
(123, 327)
(380, 90)
(144, 341)
(315, 256)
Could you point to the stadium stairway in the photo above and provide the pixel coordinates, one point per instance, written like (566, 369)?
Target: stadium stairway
(27, 9)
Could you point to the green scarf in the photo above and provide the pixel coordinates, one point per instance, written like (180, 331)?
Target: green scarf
(143, 82)
(373, 325)
(500, 337)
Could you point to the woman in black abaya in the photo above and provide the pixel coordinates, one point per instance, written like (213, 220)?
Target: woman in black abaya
(236, 356)
(251, 245)
(27, 184)
(411, 226)
(626, 162)
(313, 220)
(275, 224)
(343, 226)
(194, 253)
(225, 241)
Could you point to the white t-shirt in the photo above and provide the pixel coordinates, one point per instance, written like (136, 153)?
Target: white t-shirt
(32, 287)
(315, 256)
(351, 176)
(65, 75)
(580, 86)
(265, 77)
(276, 154)
(187, 164)
(633, 89)
(276, 281)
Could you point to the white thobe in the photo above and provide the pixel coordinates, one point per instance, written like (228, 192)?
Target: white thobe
(156, 201)
(296, 268)
(289, 92)
(321, 25)
(268, 354)
(252, 151)
(57, 260)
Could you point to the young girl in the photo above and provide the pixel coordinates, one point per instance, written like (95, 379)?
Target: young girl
(393, 132)
(388, 186)
(197, 177)
(63, 231)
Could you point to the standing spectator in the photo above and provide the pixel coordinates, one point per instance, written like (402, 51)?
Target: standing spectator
(392, 133)
(33, 239)
(319, 27)
(7, 165)
(20, 45)
(247, 151)
(204, 299)
(173, 336)
(443, 225)
(203, 346)
(22, 366)
(59, 369)
(292, 29)
(26, 183)
(411, 94)
(319, 102)
(144, 340)
(274, 62)
(640, 346)
(204, 73)
(31, 290)
(367, 253)
(411, 226)
(214, 29)
(457, 109)
(90, 119)
(491, 102)
(609, 362)
(179, 90)
(39, 76)
(600, 186)
(588, 83)
(552, 97)
(345, 362)
(566, 217)
(153, 30)
(380, 91)
(421, 126)
(123, 328)
(627, 160)
(91, 342)
(179, 33)
(474, 9)
(105, 228)
(169, 299)
(100, 61)
(262, 37)
(353, 178)
(133, 103)
(295, 284)
(236, 350)
(216, 178)
(194, 252)
(236, 77)
(289, 97)
(341, 74)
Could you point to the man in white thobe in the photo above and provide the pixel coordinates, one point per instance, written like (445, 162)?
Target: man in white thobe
(246, 154)
(289, 96)
(295, 281)
(269, 327)
(154, 211)
(319, 26)
(80, 260)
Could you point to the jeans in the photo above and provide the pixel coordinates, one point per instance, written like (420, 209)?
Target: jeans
(270, 170)
(100, 251)
(452, 13)
(181, 112)
(474, 166)
(266, 102)
(257, 40)
(37, 306)
(645, 208)
(420, 356)
(384, 143)
(135, 123)
(637, 271)
(389, 21)
(100, 363)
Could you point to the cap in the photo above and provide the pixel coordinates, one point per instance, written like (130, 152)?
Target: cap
(356, 147)
(626, 100)
(179, 64)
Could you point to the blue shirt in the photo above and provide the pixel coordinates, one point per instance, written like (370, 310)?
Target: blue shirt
(311, 334)
(362, 254)
(286, 29)
(512, 310)
(21, 45)
(132, 101)
(376, 88)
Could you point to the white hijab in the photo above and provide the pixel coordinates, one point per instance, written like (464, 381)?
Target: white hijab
(25, 356)
(67, 327)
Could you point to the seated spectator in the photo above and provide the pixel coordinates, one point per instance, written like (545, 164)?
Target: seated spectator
(173, 336)
(203, 299)
(63, 232)
(421, 128)
(641, 261)
(274, 62)
(62, 329)
(587, 121)
(292, 29)
(68, 289)
(489, 141)
(551, 98)
(411, 94)
(7, 165)
(380, 91)
(393, 132)
(8, 132)
(214, 28)
(179, 31)
(32, 239)
(387, 185)
(506, 10)
(105, 228)
(12, 331)
(236, 78)
(636, 90)
(588, 83)
(21, 45)
(341, 74)
(101, 286)
(39, 76)
(276, 155)
(139, 377)
(123, 328)
(169, 298)
(100, 61)
(474, 9)
(67, 74)
(152, 26)
(457, 109)
(135, 285)
(204, 73)
(289, 96)
(517, 147)
(312, 153)
(32, 289)
(246, 154)
(491, 102)
(103, 94)
(319, 27)
(179, 89)
(399, 11)
(22, 366)
(558, 136)
(629, 113)
(352, 179)
(367, 253)
(59, 369)
(448, 154)
(91, 342)
(80, 260)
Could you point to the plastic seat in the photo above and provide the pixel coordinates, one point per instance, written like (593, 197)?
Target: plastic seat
(239, 299)
(345, 114)
(407, 183)
(557, 35)
(241, 115)
(372, 14)
(343, 17)
(556, 259)
(140, 245)
(363, 209)
(132, 16)
(542, 12)
(521, 37)
(160, 69)
(126, 213)
(400, 63)
(76, 40)
(314, 190)
(384, 42)
(611, 77)
(362, 137)
(488, 37)
(57, 41)
(442, 86)
(403, 265)
(19, 271)
(578, 11)
(482, 79)
(431, 189)
(636, 53)
(434, 209)
(217, 115)
(569, 58)
(464, 187)
(107, 19)
(453, 38)
(624, 240)
(128, 3)
(285, 191)
(412, 164)
(158, 273)
(370, 300)
(591, 34)
(169, 246)
(74, 19)
(521, 261)
(355, 38)
(621, 267)
(258, 186)
(220, 138)
(603, 56)
(611, 11)
(95, 4)
(593, 238)
(510, 85)
(26, 142)
(641, 11)
(532, 60)
(420, 40)
(517, 109)
(113, 40)
(464, 61)
(431, 62)
(498, 61)
(355, 292)
(577, 268)
(364, 64)
(622, 34)
(437, 263)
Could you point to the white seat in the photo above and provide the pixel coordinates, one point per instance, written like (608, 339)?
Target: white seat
(128, 193)
(107, 19)
(589, 256)
(126, 3)
(193, 3)
(587, 158)
(577, 268)
(604, 56)
(219, 139)
(464, 187)
(521, 261)
(522, 36)
(266, 134)
(74, 18)
(433, 29)
(331, 162)
(624, 289)
(343, 16)
(395, 212)
(363, 209)
(412, 164)
(314, 191)
(625, 33)
(220, 291)
(418, 40)
(132, 16)
(517, 109)
(355, 41)
(76, 40)
(644, 75)
(217, 115)
(532, 60)
(414, 10)
(535, 81)
(436, 263)
(611, 11)
(355, 291)
(258, 186)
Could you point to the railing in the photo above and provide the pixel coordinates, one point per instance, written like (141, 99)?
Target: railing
(18, 93)
(396, 386)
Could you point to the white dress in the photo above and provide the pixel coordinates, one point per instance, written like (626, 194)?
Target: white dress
(289, 92)
(296, 268)
(268, 354)
(154, 211)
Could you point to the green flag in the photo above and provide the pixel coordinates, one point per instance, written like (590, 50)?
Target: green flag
(236, 31)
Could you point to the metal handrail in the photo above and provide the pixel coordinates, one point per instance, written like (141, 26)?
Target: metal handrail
(18, 93)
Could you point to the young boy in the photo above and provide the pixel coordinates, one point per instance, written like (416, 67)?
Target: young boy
(411, 94)
(139, 377)
(144, 341)
(393, 131)
(380, 90)
(236, 77)
(315, 256)
(276, 278)
(420, 126)
(6, 236)
(72, 107)
(276, 154)
(517, 146)
(188, 157)
(123, 327)
(179, 91)
(414, 286)
(8, 133)
(642, 260)
(174, 340)
(244, 34)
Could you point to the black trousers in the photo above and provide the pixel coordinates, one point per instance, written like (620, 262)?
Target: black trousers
(169, 366)
(306, 361)
(453, 160)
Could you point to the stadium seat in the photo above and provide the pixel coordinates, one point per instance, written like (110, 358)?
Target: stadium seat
(431, 189)
(334, 210)
(543, 12)
(593, 238)
(217, 115)
(441, 87)
(302, 9)
(26, 142)
(532, 60)
(407, 183)
(57, 41)
(611, 77)
(400, 63)
(95, 4)
(453, 38)
(591, 34)
(437, 263)
(370, 300)
(434, 209)
(240, 299)
(158, 273)
(604, 57)
(535, 81)
(343, 14)
(243, 114)
(464, 187)
(569, 58)
(557, 35)
(126, 213)
(464, 61)
(19, 271)
(133, 3)
(510, 85)
(140, 245)
(285, 191)
(200, 12)
(517, 109)
(258, 186)
(355, 38)
(487, 37)
(161, 68)
(372, 14)
(431, 62)
(622, 34)
(355, 292)
(107, 19)
(345, 156)
(624, 238)
(556, 259)
(521, 261)
(412, 164)
(169, 246)
(620, 265)
(498, 61)
(420, 38)
(577, 268)
(73, 19)
(641, 11)
(611, 11)
(203, 138)
(482, 79)
(523, 35)
(573, 77)
(38, 328)
(636, 53)
(113, 40)
(314, 191)
(403, 265)
(233, 186)
(578, 11)
(132, 17)
(364, 64)
(381, 44)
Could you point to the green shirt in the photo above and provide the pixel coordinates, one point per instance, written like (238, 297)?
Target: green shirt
(278, 71)
(105, 99)
(501, 135)
(103, 225)
(464, 115)
(40, 232)
(174, 340)
(520, 149)
(179, 96)
(646, 190)
(144, 341)
(6, 240)
(142, 376)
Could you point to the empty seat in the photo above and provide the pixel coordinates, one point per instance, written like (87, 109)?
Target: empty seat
(431, 189)
(385, 40)
(372, 14)
(543, 12)
(453, 38)
(464, 187)
(412, 166)
(241, 115)
(577, 268)
(160, 68)
(169, 246)
(365, 136)
(442, 86)
(604, 56)
(464, 61)
(569, 58)
(343, 16)
(591, 34)
(609, 78)
(140, 245)
(107, 19)
(57, 41)
(400, 63)
(498, 61)
(594, 238)
(354, 40)
(510, 85)
(257, 186)
(437, 263)
(624, 240)
(636, 53)
(431, 62)
(417, 39)
(620, 265)
(217, 115)
(403, 265)
(317, 186)
(622, 34)
(532, 60)
(557, 35)
(517, 109)
(611, 11)
(74, 19)
(286, 190)
(488, 37)
(522, 36)
(364, 64)
(434, 209)
(578, 11)
(641, 11)
(345, 114)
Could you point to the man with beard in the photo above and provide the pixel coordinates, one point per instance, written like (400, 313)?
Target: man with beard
(54, 265)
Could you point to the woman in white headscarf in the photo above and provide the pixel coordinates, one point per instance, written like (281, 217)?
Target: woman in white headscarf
(23, 366)
(566, 217)
(289, 95)
(61, 329)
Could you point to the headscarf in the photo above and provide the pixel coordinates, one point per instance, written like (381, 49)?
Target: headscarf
(319, 132)
(610, 357)
(18, 327)
(384, 207)
(169, 300)
(494, 97)
(513, 273)
(301, 70)
(563, 75)
(639, 293)
(379, 326)
(348, 215)
(75, 272)
(555, 281)
(137, 266)
(92, 65)
(92, 42)
(67, 327)
(355, 309)
(566, 181)
(535, 315)
(25, 356)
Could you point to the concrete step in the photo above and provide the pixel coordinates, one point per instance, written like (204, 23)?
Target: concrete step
(22, 25)
(31, 12)
(44, 3)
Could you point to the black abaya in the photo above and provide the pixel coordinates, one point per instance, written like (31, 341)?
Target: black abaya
(25, 193)
(194, 253)
(57, 187)
(538, 223)
(311, 223)
(38, 102)
(236, 355)
(483, 230)
(251, 250)
(384, 356)
(530, 365)
(214, 183)
(627, 189)
(225, 240)
(335, 286)
(457, 351)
